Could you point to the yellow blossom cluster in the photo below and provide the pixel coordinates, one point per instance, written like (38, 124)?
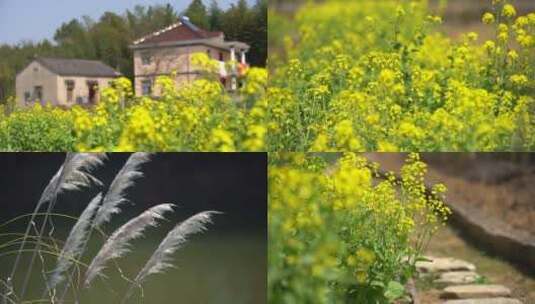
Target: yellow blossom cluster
(43, 128)
(362, 78)
(199, 116)
(341, 230)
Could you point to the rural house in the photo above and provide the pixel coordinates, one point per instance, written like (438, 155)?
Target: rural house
(170, 50)
(63, 82)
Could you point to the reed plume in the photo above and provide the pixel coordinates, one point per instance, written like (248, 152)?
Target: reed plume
(72, 175)
(175, 239)
(117, 244)
(74, 245)
(115, 196)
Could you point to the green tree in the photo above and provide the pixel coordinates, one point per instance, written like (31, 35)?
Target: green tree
(197, 14)
(248, 24)
(215, 16)
(142, 21)
(108, 38)
(259, 41)
(112, 37)
(74, 40)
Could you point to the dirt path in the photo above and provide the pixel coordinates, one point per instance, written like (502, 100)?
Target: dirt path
(498, 192)
(448, 243)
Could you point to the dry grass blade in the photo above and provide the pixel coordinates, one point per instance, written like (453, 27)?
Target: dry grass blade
(73, 175)
(115, 195)
(175, 239)
(77, 171)
(75, 242)
(45, 196)
(117, 244)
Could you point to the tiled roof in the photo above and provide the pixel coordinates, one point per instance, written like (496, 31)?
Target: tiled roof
(183, 30)
(78, 67)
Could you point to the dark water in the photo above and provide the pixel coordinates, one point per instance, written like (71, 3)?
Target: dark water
(226, 264)
(212, 268)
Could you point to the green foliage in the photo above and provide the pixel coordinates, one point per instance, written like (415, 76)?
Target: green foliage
(378, 76)
(248, 24)
(108, 38)
(197, 14)
(482, 280)
(394, 290)
(41, 129)
(200, 116)
(216, 16)
(339, 235)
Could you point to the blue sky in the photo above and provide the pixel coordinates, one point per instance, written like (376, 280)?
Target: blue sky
(38, 19)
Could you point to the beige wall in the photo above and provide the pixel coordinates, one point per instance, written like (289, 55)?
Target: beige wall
(167, 60)
(54, 86)
(81, 89)
(179, 80)
(172, 59)
(36, 75)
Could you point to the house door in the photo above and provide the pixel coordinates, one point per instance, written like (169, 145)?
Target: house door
(92, 87)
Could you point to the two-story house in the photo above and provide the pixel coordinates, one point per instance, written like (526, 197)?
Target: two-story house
(169, 51)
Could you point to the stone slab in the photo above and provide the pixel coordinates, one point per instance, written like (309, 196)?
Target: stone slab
(485, 301)
(475, 291)
(456, 278)
(444, 265)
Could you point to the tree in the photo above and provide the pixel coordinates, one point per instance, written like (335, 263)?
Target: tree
(196, 12)
(169, 14)
(260, 32)
(73, 39)
(248, 24)
(108, 38)
(112, 37)
(142, 21)
(215, 16)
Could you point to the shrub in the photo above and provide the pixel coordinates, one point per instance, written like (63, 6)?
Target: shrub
(338, 235)
(197, 116)
(37, 129)
(361, 77)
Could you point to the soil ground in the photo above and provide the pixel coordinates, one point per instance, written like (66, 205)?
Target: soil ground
(448, 243)
(499, 189)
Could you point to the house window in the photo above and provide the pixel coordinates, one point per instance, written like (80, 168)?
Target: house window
(145, 58)
(92, 87)
(221, 56)
(69, 84)
(38, 93)
(146, 87)
(27, 96)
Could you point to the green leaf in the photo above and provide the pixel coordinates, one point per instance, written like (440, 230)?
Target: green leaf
(376, 283)
(394, 290)
(423, 259)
